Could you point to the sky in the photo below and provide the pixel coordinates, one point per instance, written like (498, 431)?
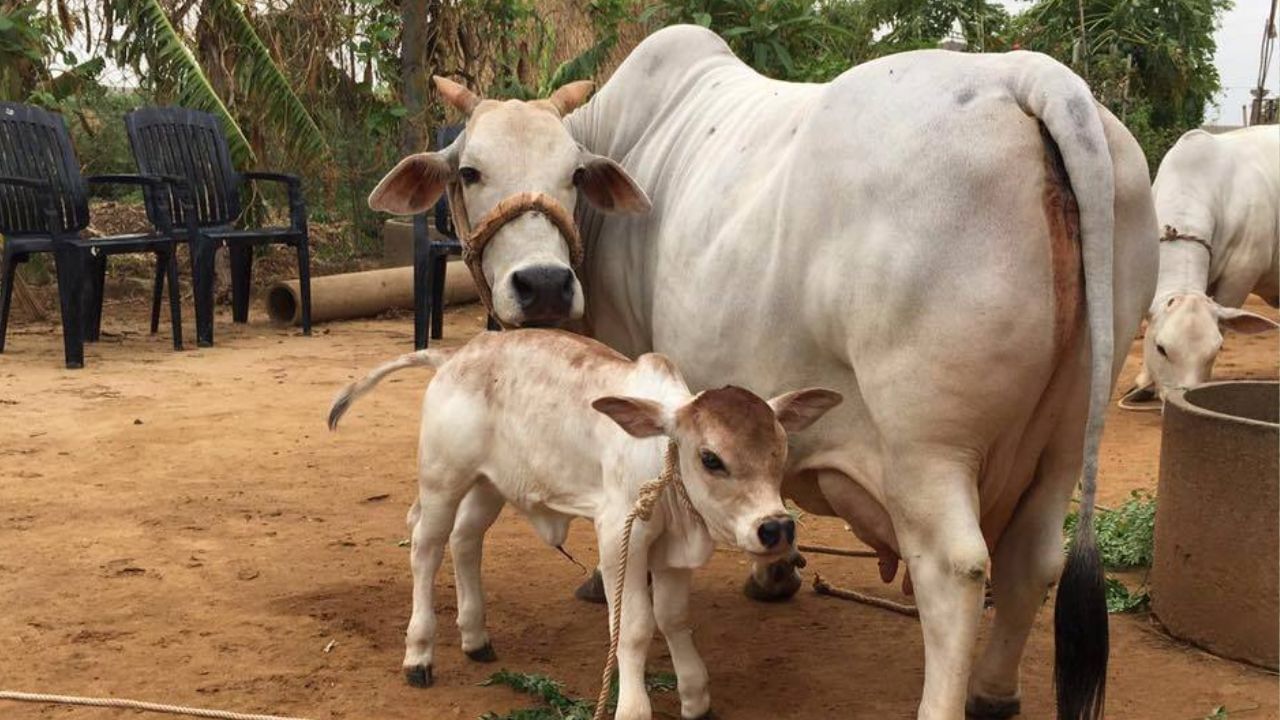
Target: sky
(1239, 41)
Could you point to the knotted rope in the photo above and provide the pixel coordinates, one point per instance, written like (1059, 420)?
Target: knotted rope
(134, 705)
(475, 239)
(650, 492)
(1171, 234)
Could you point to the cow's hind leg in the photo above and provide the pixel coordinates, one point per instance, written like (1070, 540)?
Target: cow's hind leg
(933, 503)
(431, 521)
(1028, 560)
(479, 509)
(671, 610)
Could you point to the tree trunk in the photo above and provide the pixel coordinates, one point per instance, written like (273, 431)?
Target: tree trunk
(415, 53)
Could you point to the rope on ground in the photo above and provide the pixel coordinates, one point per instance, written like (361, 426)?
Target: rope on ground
(827, 550)
(650, 492)
(822, 587)
(135, 705)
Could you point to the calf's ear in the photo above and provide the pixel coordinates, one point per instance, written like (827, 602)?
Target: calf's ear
(608, 187)
(1243, 321)
(799, 409)
(640, 418)
(413, 185)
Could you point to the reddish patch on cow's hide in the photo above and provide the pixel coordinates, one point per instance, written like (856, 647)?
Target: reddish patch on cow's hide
(1062, 214)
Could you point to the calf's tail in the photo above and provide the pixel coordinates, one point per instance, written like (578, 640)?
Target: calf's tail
(1062, 101)
(350, 393)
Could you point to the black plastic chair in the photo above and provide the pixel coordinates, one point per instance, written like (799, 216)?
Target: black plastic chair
(190, 144)
(44, 208)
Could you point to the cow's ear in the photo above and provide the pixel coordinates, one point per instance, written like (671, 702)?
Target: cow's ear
(568, 97)
(639, 417)
(608, 187)
(413, 185)
(456, 94)
(1243, 321)
(799, 409)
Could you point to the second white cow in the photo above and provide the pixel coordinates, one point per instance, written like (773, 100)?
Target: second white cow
(1218, 200)
(509, 418)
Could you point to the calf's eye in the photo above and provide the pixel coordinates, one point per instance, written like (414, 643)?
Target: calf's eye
(469, 175)
(711, 461)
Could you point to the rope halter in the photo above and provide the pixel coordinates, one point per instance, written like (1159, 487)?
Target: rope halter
(475, 239)
(1171, 234)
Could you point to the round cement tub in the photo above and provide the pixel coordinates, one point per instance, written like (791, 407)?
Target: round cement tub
(1214, 582)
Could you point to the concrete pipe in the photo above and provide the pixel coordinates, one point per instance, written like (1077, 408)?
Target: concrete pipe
(1215, 578)
(362, 294)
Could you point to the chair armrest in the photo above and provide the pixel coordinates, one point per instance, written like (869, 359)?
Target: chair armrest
(31, 183)
(297, 205)
(163, 222)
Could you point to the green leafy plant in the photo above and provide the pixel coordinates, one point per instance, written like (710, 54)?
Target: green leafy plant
(556, 705)
(1126, 535)
(1121, 600)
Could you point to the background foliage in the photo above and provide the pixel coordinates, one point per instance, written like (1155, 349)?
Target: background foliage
(337, 90)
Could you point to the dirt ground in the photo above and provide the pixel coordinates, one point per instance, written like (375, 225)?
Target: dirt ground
(181, 527)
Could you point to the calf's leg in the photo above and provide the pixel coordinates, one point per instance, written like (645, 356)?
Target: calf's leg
(431, 522)
(479, 509)
(671, 610)
(636, 630)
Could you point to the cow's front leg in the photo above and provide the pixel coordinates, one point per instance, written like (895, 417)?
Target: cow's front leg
(671, 610)
(636, 630)
(479, 509)
(934, 507)
(774, 581)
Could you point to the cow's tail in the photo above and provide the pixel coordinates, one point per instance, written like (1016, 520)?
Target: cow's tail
(350, 393)
(1062, 101)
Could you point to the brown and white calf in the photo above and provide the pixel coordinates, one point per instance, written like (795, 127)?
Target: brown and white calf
(562, 427)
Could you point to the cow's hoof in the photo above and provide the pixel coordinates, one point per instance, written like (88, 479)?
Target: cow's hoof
(592, 590)
(418, 676)
(776, 582)
(484, 653)
(981, 708)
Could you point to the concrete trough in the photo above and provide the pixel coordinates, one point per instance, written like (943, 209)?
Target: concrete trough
(1216, 577)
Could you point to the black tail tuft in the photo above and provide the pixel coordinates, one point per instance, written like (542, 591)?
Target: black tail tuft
(1081, 636)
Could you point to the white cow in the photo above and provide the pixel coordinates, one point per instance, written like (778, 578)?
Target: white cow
(509, 418)
(1218, 200)
(954, 242)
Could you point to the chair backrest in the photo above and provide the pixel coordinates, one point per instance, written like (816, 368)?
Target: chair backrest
(189, 144)
(35, 144)
(444, 221)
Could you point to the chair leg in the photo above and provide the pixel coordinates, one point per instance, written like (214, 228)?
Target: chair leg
(95, 281)
(304, 281)
(241, 257)
(70, 263)
(437, 296)
(175, 297)
(157, 289)
(424, 281)
(8, 273)
(202, 250)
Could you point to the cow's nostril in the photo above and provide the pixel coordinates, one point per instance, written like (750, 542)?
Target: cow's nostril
(770, 533)
(566, 286)
(523, 288)
(789, 530)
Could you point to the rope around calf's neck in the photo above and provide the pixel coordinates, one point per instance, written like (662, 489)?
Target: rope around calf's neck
(650, 492)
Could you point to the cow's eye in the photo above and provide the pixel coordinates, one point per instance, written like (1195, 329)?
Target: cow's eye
(1160, 349)
(469, 175)
(711, 461)
(578, 175)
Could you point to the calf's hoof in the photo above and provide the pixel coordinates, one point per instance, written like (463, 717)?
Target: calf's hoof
(777, 582)
(418, 676)
(484, 654)
(592, 589)
(982, 708)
